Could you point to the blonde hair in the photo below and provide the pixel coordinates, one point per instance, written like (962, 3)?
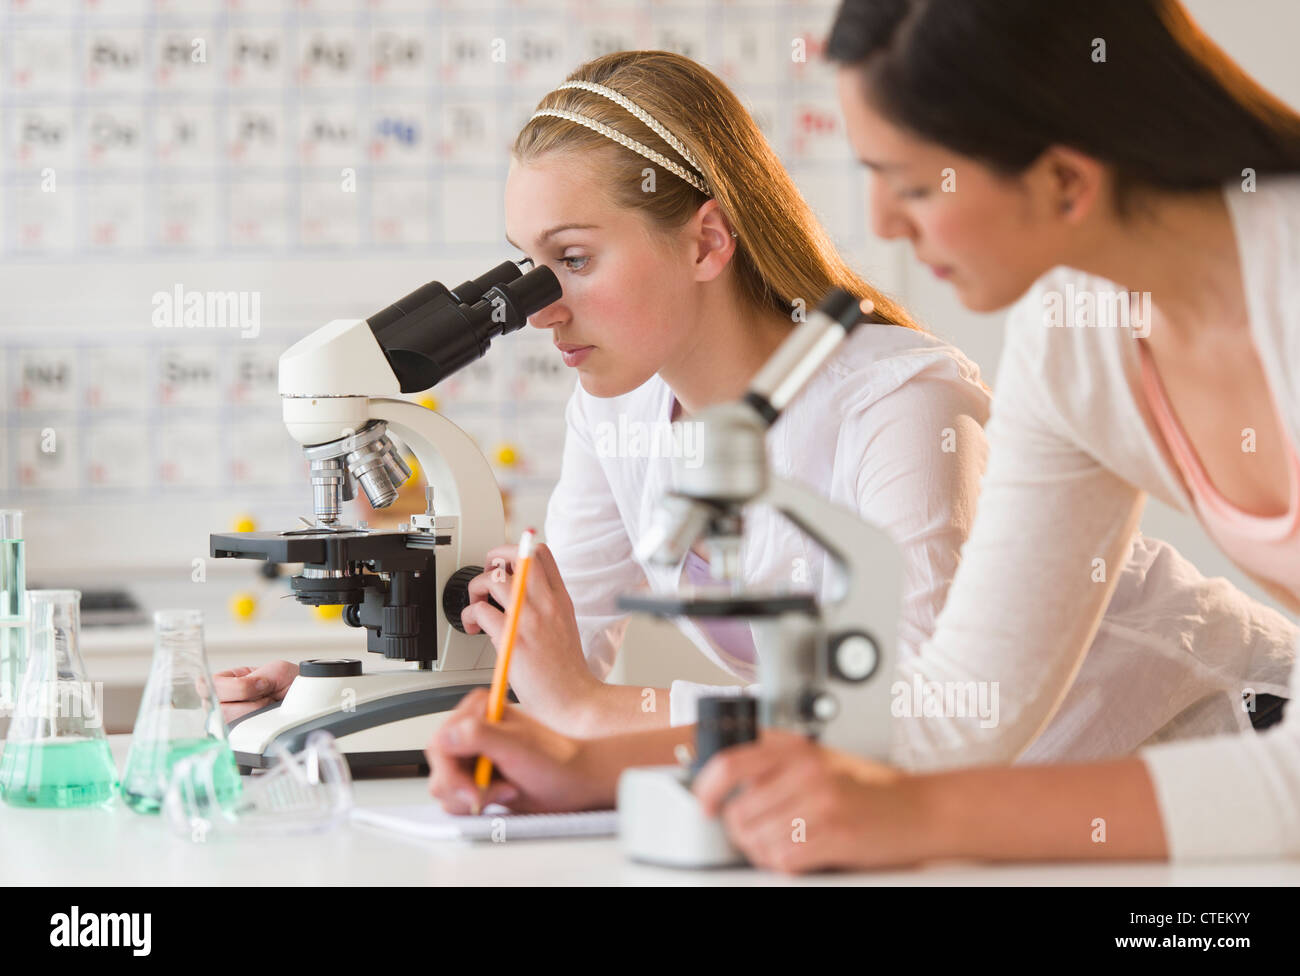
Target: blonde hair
(783, 253)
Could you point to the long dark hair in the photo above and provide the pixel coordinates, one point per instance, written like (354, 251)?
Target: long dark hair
(1002, 80)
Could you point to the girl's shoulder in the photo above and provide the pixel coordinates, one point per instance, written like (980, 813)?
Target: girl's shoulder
(1272, 199)
(1070, 324)
(1266, 221)
(886, 389)
(877, 361)
(1066, 298)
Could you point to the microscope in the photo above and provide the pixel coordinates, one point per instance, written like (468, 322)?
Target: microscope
(405, 588)
(825, 670)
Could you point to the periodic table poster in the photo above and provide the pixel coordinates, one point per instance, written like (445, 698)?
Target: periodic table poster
(304, 160)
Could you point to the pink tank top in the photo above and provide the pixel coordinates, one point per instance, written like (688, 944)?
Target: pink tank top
(1266, 547)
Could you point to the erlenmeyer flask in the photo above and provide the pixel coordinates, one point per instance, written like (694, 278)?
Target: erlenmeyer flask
(56, 754)
(12, 644)
(179, 716)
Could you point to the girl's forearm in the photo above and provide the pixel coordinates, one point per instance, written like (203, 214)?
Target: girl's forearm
(605, 759)
(1023, 813)
(615, 709)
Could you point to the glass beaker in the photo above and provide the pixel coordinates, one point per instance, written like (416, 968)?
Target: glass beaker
(56, 754)
(13, 648)
(179, 717)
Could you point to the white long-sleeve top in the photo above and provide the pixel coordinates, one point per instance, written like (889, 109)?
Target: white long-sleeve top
(893, 428)
(1074, 450)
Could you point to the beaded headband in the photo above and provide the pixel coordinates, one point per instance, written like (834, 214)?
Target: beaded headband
(610, 132)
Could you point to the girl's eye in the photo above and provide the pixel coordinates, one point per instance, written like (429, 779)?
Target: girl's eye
(575, 258)
(913, 194)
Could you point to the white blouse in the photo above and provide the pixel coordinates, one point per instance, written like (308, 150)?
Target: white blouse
(893, 427)
(1074, 450)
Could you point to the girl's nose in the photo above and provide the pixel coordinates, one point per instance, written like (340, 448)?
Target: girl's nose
(548, 317)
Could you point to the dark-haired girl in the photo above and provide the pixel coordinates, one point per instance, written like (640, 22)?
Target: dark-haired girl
(1104, 149)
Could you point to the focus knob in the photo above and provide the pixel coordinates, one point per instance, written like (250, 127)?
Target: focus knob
(820, 707)
(455, 595)
(855, 655)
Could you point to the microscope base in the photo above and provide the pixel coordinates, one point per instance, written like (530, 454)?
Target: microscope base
(380, 719)
(660, 822)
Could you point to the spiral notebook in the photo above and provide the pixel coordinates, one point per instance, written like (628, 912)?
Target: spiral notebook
(431, 822)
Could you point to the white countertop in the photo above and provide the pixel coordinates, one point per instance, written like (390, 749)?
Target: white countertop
(114, 846)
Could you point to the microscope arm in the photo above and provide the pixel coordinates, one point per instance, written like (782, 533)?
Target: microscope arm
(461, 478)
(871, 566)
(470, 515)
(853, 652)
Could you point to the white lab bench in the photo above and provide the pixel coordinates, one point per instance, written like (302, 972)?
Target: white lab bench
(114, 846)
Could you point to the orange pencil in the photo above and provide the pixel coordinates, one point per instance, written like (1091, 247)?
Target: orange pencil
(500, 677)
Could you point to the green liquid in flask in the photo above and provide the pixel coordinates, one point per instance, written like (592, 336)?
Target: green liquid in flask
(63, 773)
(13, 651)
(145, 782)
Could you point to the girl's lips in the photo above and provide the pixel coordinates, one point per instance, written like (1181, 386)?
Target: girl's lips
(940, 271)
(574, 355)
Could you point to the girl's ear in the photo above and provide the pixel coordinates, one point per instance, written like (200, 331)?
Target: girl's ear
(711, 240)
(1071, 183)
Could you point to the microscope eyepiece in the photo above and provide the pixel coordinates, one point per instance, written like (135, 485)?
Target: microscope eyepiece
(472, 292)
(430, 343)
(527, 294)
(416, 307)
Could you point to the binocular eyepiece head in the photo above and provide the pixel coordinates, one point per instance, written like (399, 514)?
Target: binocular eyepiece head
(435, 331)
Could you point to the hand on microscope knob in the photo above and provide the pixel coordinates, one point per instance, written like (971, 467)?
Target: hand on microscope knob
(548, 671)
(791, 805)
(242, 690)
(536, 769)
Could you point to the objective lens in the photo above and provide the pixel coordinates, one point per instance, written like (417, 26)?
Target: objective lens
(370, 458)
(380, 471)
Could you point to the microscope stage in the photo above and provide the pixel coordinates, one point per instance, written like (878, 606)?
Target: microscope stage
(335, 550)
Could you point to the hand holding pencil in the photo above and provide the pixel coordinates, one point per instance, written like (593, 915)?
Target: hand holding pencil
(501, 676)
